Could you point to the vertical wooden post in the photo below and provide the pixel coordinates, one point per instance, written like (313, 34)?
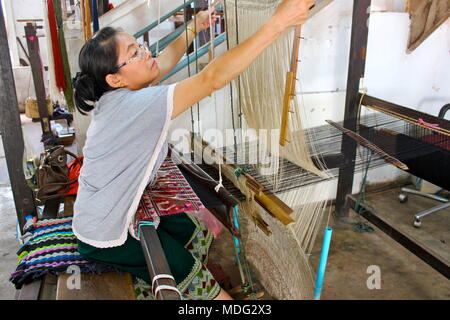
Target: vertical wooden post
(85, 9)
(38, 79)
(11, 131)
(357, 60)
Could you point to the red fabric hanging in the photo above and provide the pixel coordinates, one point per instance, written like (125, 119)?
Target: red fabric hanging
(57, 59)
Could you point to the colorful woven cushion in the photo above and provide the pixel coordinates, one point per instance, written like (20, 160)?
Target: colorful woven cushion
(50, 246)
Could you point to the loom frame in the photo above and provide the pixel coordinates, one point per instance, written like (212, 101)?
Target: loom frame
(344, 199)
(356, 69)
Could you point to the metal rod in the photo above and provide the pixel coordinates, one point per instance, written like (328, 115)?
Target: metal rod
(432, 210)
(426, 195)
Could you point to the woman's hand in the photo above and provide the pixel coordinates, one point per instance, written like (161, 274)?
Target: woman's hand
(292, 12)
(202, 19)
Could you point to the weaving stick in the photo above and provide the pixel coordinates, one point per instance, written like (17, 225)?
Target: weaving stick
(289, 91)
(369, 145)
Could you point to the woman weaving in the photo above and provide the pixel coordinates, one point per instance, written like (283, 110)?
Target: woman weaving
(126, 142)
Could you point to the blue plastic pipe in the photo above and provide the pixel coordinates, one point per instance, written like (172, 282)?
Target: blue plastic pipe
(323, 262)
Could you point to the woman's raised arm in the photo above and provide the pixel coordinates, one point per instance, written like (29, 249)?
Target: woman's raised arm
(229, 65)
(169, 58)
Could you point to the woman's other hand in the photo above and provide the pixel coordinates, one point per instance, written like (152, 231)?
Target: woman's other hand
(202, 19)
(292, 12)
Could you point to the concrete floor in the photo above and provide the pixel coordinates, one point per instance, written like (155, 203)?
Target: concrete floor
(403, 275)
(8, 242)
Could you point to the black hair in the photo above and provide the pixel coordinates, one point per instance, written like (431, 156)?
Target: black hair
(98, 58)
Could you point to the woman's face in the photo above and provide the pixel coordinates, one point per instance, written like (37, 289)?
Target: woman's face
(138, 73)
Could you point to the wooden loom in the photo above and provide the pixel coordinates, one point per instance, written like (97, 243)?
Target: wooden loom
(344, 198)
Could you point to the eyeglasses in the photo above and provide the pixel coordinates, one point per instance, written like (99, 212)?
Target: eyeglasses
(140, 54)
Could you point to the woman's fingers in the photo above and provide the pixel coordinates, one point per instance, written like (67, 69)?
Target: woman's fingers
(204, 18)
(293, 12)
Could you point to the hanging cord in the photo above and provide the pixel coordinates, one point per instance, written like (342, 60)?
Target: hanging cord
(361, 197)
(360, 203)
(231, 85)
(188, 62)
(211, 43)
(159, 27)
(196, 66)
(220, 185)
(212, 33)
(239, 77)
(363, 91)
(159, 23)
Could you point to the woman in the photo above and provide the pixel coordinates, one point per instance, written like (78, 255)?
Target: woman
(126, 141)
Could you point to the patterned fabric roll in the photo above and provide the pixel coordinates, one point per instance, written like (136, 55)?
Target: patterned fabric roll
(171, 194)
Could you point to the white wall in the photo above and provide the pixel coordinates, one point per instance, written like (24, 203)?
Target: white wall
(133, 15)
(13, 11)
(117, 3)
(29, 9)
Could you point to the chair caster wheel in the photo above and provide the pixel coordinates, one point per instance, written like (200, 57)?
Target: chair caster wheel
(403, 198)
(417, 223)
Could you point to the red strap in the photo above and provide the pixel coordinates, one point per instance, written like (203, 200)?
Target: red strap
(59, 70)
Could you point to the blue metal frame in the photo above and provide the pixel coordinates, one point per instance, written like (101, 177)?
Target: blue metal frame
(195, 55)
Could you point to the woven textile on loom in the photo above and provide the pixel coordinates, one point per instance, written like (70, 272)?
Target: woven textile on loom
(50, 247)
(171, 194)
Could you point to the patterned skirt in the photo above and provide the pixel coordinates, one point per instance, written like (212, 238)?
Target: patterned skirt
(169, 205)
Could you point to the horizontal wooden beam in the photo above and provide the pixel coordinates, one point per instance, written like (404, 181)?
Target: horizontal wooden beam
(409, 115)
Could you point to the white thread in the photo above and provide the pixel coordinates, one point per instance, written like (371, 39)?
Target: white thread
(217, 188)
